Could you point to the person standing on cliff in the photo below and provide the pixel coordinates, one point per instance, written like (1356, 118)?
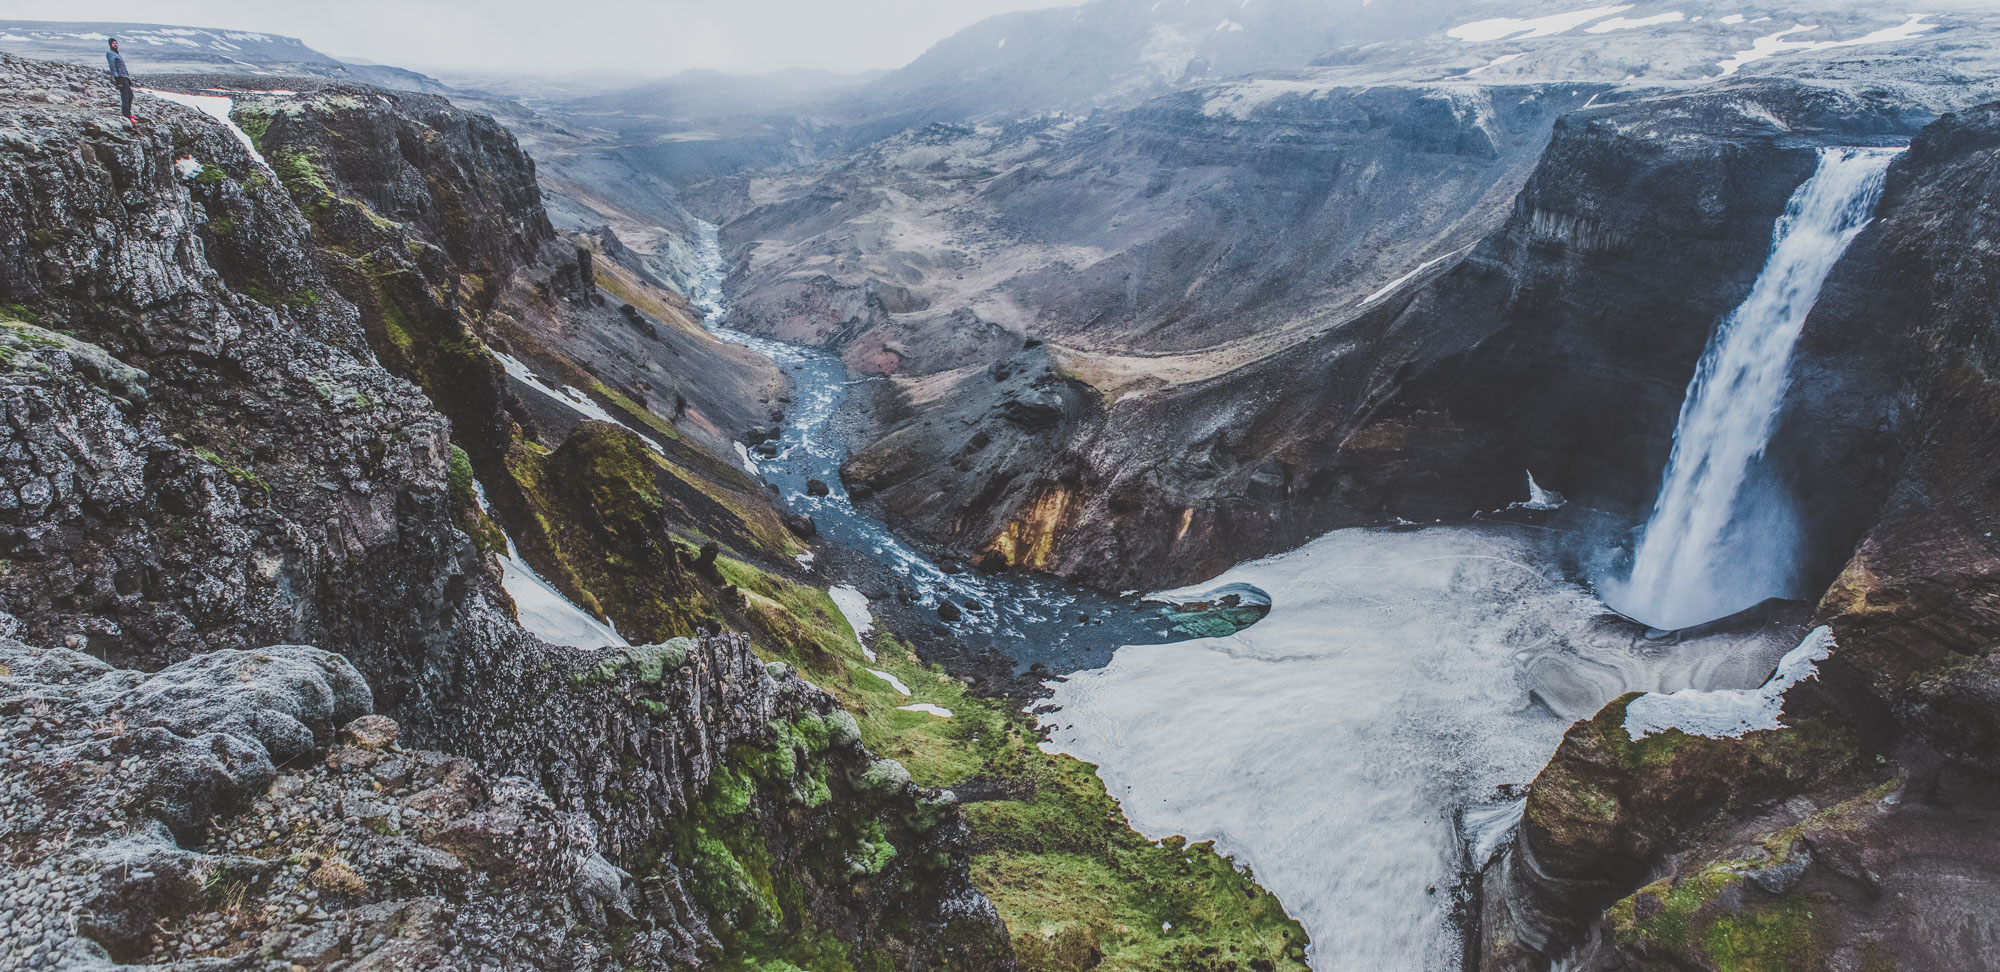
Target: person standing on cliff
(122, 76)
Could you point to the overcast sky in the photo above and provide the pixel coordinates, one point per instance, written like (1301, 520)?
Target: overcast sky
(552, 36)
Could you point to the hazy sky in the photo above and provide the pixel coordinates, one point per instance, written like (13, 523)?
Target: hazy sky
(552, 36)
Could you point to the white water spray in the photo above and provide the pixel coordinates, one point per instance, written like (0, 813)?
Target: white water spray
(1719, 541)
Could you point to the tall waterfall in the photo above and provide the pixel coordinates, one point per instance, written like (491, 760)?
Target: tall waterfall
(1722, 538)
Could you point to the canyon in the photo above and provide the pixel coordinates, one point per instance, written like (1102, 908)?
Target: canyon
(1461, 486)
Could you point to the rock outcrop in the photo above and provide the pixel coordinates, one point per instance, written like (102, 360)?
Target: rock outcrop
(204, 459)
(206, 812)
(431, 222)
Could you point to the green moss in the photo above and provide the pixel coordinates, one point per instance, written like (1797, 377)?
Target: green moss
(1678, 901)
(1774, 938)
(458, 475)
(254, 120)
(300, 174)
(211, 175)
(649, 664)
(24, 335)
(1752, 940)
(875, 851)
(638, 412)
(262, 293)
(721, 841)
(241, 476)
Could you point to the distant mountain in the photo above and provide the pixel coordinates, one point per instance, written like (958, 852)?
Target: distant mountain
(1120, 52)
(161, 49)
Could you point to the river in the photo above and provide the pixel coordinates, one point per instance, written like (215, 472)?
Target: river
(1031, 618)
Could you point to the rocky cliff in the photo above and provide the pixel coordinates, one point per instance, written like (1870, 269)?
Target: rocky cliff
(430, 221)
(205, 458)
(1862, 834)
(1552, 329)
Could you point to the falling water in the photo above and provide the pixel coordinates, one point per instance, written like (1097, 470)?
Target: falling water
(1720, 539)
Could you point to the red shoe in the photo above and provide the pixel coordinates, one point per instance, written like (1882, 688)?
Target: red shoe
(134, 119)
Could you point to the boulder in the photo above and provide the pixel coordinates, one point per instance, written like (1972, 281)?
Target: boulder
(801, 525)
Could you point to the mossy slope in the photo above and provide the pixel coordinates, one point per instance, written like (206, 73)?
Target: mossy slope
(1077, 887)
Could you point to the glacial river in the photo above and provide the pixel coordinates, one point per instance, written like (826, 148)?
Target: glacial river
(1030, 618)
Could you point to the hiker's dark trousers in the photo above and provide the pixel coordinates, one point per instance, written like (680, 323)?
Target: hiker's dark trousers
(125, 95)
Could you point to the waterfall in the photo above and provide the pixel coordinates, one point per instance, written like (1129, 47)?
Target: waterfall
(1721, 537)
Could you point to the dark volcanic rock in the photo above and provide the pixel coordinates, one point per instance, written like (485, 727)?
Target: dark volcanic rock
(801, 525)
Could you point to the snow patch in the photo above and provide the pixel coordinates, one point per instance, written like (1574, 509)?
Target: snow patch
(187, 167)
(1168, 51)
(216, 107)
(894, 682)
(936, 710)
(1402, 665)
(1496, 62)
(1406, 278)
(1503, 28)
(1228, 26)
(1627, 23)
(1771, 45)
(1731, 19)
(1241, 100)
(576, 401)
(853, 606)
(1729, 712)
